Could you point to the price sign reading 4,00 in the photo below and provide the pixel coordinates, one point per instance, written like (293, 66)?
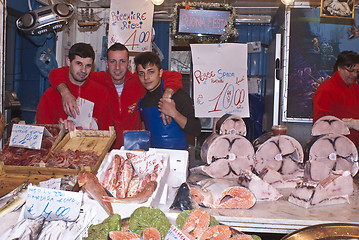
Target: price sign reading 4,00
(136, 39)
(229, 96)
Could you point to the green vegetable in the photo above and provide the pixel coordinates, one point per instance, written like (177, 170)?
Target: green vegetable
(256, 237)
(182, 217)
(145, 217)
(101, 230)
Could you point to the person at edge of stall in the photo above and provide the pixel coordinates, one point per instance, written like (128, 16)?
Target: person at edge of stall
(339, 95)
(179, 108)
(124, 88)
(79, 64)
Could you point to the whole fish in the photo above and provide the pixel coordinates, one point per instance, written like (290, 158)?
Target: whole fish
(13, 200)
(33, 230)
(90, 184)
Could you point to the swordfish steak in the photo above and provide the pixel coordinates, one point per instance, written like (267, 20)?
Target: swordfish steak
(281, 153)
(329, 153)
(329, 124)
(225, 156)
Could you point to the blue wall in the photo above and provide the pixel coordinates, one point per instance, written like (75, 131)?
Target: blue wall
(27, 81)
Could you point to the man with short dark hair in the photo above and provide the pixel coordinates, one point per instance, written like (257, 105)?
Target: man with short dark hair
(77, 77)
(179, 108)
(339, 95)
(124, 88)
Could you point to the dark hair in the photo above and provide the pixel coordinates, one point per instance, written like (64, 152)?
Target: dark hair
(148, 58)
(83, 50)
(117, 47)
(346, 59)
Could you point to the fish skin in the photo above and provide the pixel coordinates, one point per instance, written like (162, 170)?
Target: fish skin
(13, 200)
(33, 230)
(141, 197)
(183, 199)
(90, 183)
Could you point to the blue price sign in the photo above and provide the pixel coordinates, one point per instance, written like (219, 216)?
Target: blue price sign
(26, 136)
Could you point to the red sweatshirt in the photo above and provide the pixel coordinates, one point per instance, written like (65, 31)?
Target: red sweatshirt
(336, 98)
(124, 109)
(49, 110)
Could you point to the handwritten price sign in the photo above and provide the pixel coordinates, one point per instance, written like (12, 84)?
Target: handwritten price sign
(220, 79)
(52, 204)
(26, 136)
(131, 24)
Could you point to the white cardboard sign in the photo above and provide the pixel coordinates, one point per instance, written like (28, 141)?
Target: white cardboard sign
(84, 119)
(26, 136)
(131, 24)
(220, 79)
(175, 234)
(52, 204)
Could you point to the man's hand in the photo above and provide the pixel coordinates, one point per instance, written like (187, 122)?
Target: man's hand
(68, 124)
(351, 123)
(167, 95)
(68, 101)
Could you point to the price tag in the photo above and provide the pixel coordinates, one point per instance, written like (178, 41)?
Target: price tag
(144, 163)
(52, 204)
(174, 233)
(53, 183)
(26, 136)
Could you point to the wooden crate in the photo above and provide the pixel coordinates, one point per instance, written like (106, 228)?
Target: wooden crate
(99, 141)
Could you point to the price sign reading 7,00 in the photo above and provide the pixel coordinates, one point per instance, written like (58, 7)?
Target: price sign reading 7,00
(134, 40)
(228, 97)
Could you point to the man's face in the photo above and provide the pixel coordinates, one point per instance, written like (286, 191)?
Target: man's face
(117, 64)
(150, 77)
(79, 69)
(349, 75)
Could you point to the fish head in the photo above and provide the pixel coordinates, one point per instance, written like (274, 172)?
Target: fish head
(83, 177)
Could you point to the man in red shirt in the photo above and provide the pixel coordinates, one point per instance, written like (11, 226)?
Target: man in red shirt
(339, 95)
(124, 88)
(77, 77)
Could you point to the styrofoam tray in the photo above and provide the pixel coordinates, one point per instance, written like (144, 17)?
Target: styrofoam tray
(126, 209)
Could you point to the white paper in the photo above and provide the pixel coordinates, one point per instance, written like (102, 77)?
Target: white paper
(220, 79)
(175, 234)
(53, 183)
(52, 204)
(84, 119)
(26, 136)
(131, 24)
(145, 162)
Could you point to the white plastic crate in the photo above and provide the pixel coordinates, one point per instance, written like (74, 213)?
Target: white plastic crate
(126, 209)
(178, 166)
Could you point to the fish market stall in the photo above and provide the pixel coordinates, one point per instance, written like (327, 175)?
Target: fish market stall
(278, 216)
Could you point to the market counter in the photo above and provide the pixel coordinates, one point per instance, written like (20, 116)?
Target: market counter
(278, 216)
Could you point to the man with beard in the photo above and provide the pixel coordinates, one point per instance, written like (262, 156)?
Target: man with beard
(79, 65)
(124, 88)
(339, 95)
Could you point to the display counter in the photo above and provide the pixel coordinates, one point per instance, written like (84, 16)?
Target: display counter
(278, 216)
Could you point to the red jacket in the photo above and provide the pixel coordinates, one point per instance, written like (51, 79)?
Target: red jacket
(124, 109)
(49, 110)
(335, 97)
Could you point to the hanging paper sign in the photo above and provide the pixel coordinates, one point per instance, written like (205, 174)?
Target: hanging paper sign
(27, 136)
(131, 24)
(52, 204)
(220, 79)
